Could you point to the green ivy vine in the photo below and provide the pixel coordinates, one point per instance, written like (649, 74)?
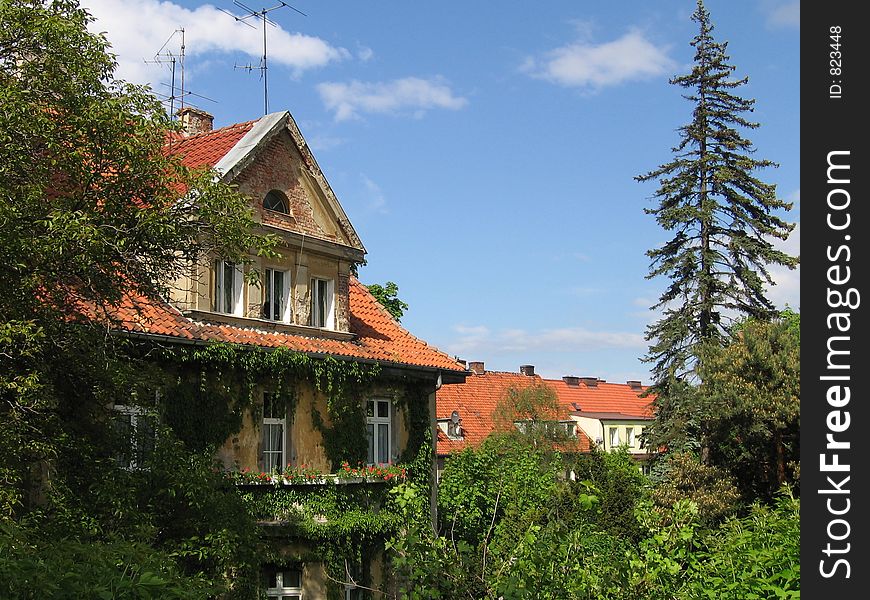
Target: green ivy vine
(337, 524)
(220, 379)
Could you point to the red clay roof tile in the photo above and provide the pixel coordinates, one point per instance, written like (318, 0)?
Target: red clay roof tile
(476, 401)
(379, 337)
(206, 149)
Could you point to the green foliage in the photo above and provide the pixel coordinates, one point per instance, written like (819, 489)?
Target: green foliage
(750, 400)
(721, 213)
(583, 541)
(757, 556)
(339, 524)
(90, 215)
(59, 567)
(388, 296)
(482, 486)
(619, 486)
(711, 489)
(220, 365)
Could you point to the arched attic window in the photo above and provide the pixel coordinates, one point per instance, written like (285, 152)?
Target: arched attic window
(277, 200)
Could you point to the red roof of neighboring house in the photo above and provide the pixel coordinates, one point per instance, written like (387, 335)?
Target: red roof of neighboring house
(476, 401)
(603, 397)
(207, 148)
(379, 337)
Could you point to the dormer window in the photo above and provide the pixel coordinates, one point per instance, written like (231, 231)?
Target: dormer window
(277, 200)
(322, 313)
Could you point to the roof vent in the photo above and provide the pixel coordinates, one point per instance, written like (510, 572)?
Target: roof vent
(635, 385)
(576, 406)
(571, 380)
(462, 362)
(477, 367)
(528, 370)
(590, 381)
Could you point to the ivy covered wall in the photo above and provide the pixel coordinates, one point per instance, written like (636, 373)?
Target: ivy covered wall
(213, 399)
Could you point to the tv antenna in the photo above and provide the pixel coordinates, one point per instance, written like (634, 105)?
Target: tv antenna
(252, 14)
(166, 56)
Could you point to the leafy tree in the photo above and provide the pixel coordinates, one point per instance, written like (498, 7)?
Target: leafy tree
(711, 489)
(93, 212)
(388, 296)
(721, 213)
(750, 399)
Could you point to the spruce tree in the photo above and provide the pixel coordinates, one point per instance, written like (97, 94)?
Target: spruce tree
(721, 213)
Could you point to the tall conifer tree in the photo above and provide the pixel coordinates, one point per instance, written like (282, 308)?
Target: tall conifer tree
(721, 213)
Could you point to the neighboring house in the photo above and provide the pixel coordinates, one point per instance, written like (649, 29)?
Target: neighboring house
(308, 302)
(465, 411)
(611, 414)
(607, 415)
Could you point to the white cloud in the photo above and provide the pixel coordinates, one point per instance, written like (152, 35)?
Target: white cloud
(480, 340)
(783, 14)
(589, 66)
(138, 28)
(411, 94)
(788, 282)
(377, 201)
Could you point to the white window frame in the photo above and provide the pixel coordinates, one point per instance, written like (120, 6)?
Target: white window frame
(285, 592)
(286, 313)
(630, 438)
(319, 313)
(376, 421)
(613, 434)
(268, 422)
(135, 413)
(237, 301)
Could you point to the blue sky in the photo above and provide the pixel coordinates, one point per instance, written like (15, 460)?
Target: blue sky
(485, 151)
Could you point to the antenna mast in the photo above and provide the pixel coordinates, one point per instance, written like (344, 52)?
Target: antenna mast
(261, 15)
(162, 57)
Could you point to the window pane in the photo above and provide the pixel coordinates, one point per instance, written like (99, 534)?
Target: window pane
(277, 433)
(383, 443)
(370, 408)
(383, 408)
(315, 304)
(370, 433)
(228, 286)
(277, 297)
(293, 578)
(267, 294)
(322, 303)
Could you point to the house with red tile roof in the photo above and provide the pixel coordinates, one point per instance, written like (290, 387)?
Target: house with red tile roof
(309, 302)
(605, 415)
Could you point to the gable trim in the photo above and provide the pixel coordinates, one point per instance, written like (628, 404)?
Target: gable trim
(241, 154)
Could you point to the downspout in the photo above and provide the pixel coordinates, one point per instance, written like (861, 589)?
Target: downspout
(433, 470)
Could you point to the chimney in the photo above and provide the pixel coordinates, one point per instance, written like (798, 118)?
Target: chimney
(527, 370)
(635, 385)
(194, 121)
(572, 381)
(590, 381)
(461, 361)
(477, 367)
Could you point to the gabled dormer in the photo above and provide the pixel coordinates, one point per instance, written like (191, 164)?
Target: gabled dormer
(306, 290)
